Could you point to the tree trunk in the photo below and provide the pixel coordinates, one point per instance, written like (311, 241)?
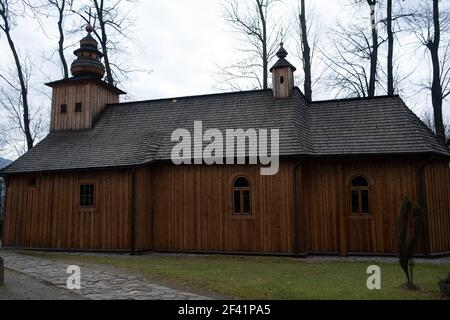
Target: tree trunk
(265, 58)
(374, 53)
(23, 88)
(390, 57)
(104, 41)
(436, 88)
(306, 52)
(436, 95)
(109, 75)
(61, 40)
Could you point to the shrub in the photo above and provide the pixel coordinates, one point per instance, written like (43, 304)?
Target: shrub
(409, 231)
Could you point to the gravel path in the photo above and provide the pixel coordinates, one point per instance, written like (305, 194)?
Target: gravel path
(96, 283)
(19, 286)
(310, 258)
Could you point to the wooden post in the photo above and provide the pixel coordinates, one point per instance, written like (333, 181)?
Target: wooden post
(341, 217)
(133, 213)
(2, 273)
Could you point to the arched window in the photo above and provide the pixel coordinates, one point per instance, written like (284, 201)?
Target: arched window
(360, 195)
(241, 196)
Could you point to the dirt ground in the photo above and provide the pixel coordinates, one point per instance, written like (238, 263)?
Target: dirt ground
(19, 286)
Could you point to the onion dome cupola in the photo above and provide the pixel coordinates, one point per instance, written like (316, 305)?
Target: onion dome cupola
(282, 62)
(88, 58)
(282, 75)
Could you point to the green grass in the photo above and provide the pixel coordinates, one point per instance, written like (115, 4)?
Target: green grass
(271, 278)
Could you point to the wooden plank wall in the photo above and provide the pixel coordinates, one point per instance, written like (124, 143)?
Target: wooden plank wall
(48, 216)
(327, 204)
(189, 208)
(192, 210)
(437, 181)
(144, 209)
(93, 98)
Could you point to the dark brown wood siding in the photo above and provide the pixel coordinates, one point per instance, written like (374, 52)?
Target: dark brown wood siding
(189, 208)
(93, 99)
(437, 184)
(48, 215)
(327, 204)
(192, 207)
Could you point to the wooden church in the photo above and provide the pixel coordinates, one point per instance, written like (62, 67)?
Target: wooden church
(103, 179)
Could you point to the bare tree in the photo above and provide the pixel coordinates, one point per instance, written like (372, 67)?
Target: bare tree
(111, 24)
(306, 51)
(7, 16)
(395, 15)
(428, 24)
(352, 58)
(390, 56)
(2, 140)
(12, 109)
(428, 118)
(38, 9)
(373, 46)
(349, 61)
(261, 35)
(61, 8)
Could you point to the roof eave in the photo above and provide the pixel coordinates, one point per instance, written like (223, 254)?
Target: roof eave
(295, 156)
(86, 79)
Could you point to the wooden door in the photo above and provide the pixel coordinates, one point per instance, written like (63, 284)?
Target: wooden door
(360, 234)
(360, 221)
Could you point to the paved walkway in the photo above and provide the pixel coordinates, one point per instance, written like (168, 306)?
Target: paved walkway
(96, 284)
(19, 286)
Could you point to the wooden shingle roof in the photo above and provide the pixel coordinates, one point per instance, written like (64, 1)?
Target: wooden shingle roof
(138, 133)
(383, 125)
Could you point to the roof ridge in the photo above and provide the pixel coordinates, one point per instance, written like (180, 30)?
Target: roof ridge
(127, 137)
(355, 99)
(193, 96)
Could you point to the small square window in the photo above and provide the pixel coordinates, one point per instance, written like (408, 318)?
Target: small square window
(32, 182)
(78, 107)
(64, 108)
(87, 195)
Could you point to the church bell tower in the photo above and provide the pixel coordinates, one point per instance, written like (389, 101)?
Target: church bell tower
(77, 101)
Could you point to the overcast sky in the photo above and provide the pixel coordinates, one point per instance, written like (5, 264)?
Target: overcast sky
(180, 41)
